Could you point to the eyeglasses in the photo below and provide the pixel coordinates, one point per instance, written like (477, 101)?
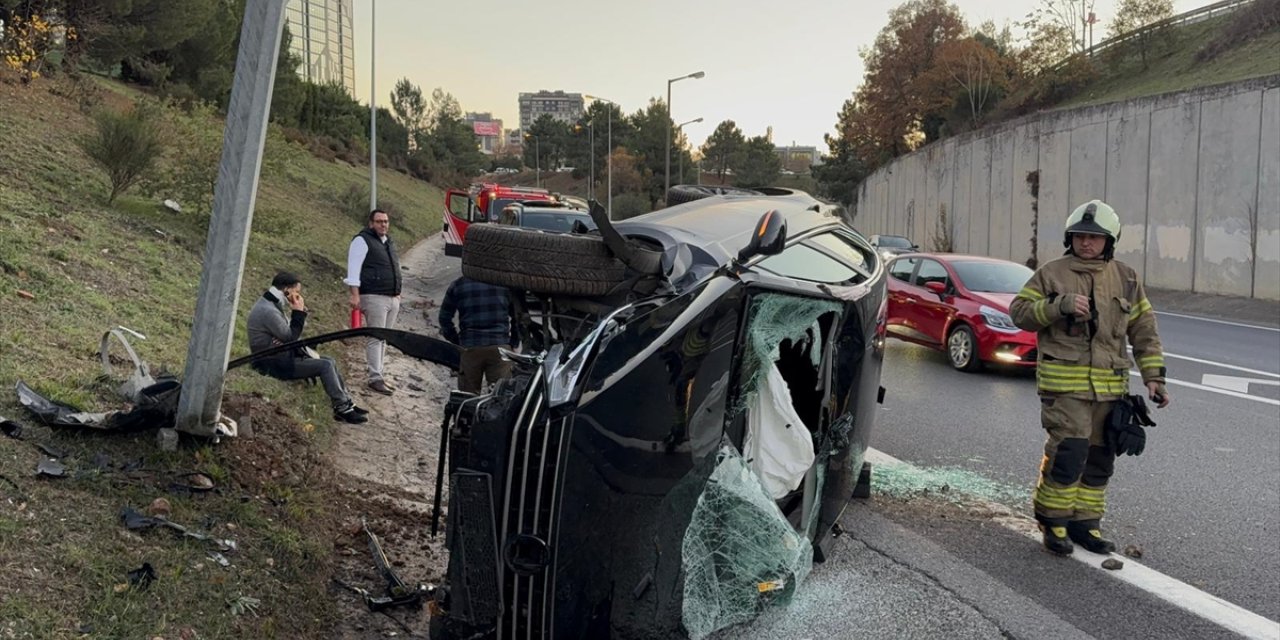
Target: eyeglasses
(383, 221)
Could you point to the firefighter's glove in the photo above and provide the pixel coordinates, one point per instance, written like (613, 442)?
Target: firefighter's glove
(1125, 434)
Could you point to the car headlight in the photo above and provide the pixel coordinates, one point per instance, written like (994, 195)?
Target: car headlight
(998, 320)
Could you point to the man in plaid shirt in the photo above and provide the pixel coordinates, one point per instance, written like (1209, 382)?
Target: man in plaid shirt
(485, 316)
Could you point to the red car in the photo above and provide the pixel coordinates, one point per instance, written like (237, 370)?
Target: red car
(959, 304)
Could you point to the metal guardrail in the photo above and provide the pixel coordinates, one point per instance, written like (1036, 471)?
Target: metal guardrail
(1190, 17)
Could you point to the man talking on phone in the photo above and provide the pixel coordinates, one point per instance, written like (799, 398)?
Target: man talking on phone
(277, 318)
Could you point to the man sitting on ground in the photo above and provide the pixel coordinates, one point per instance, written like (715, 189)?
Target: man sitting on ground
(268, 327)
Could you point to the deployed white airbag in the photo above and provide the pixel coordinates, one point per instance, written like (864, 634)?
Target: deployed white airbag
(778, 444)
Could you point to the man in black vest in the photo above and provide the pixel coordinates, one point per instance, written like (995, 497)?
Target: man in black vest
(373, 278)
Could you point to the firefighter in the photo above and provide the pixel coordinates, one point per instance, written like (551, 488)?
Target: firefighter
(1083, 307)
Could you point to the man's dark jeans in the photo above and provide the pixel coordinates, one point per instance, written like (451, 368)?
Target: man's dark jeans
(324, 368)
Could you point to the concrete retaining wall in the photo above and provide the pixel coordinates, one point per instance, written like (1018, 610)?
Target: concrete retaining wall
(1195, 177)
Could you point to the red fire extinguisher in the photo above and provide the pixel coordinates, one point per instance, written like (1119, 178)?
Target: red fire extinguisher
(357, 319)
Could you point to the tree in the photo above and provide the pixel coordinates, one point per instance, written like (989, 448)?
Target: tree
(128, 30)
(648, 142)
(442, 108)
(974, 73)
(900, 106)
(328, 110)
(410, 108)
(759, 164)
(722, 147)
(545, 143)
(289, 91)
(841, 172)
(1136, 14)
(1055, 29)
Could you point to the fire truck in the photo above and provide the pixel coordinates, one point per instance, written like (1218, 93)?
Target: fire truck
(481, 204)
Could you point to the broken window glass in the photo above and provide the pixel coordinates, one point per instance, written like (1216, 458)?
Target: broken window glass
(775, 318)
(740, 554)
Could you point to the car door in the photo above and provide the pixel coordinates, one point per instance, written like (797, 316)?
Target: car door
(932, 311)
(902, 296)
(459, 208)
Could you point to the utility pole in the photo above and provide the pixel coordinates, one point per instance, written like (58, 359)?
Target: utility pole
(229, 228)
(373, 106)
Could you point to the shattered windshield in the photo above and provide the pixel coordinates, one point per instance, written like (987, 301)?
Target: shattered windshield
(740, 553)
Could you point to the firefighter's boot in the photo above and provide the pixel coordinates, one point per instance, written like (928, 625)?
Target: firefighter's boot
(1087, 534)
(1055, 540)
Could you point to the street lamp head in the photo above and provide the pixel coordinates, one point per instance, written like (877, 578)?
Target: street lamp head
(697, 76)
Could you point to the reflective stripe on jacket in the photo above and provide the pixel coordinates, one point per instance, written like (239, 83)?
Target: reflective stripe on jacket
(1083, 357)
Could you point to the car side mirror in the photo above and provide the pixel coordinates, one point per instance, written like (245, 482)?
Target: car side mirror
(939, 288)
(767, 238)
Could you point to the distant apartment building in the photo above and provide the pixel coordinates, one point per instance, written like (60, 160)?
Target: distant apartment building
(323, 37)
(515, 143)
(488, 131)
(565, 107)
(798, 159)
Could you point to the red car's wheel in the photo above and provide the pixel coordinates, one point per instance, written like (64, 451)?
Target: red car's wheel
(962, 349)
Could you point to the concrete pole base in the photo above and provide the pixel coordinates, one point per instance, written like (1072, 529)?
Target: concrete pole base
(167, 440)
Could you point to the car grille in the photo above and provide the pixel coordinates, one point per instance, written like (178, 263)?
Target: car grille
(529, 505)
(471, 510)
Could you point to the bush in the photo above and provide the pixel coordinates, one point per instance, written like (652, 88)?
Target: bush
(125, 145)
(1249, 22)
(192, 156)
(354, 202)
(630, 205)
(148, 72)
(83, 91)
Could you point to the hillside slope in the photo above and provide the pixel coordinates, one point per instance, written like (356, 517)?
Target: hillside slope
(70, 267)
(1172, 64)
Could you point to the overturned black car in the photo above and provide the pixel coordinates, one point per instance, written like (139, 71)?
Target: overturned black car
(684, 428)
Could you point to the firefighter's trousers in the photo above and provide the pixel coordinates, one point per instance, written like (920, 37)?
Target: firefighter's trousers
(1077, 461)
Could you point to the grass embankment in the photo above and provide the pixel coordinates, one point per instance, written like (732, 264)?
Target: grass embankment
(1172, 64)
(64, 554)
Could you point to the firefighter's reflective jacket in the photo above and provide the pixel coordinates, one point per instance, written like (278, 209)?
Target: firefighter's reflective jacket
(1087, 357)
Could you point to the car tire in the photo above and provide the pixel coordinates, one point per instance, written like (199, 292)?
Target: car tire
(540, 262)
(962, 349)
(682, 193)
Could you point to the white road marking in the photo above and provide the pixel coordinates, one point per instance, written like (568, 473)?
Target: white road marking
(1224, 366)
(1217, 390)
(1216, 321)
(1235, 383)
(1171, 590)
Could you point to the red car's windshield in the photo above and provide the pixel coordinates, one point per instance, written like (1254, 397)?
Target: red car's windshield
(992, 277)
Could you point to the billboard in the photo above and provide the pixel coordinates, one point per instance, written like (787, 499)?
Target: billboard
(487, 128)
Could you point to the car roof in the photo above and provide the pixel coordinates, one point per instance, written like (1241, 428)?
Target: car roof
(557, 210)
(721, 225)
(953, 257)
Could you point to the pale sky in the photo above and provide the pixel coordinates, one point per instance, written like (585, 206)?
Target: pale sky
(788, 64)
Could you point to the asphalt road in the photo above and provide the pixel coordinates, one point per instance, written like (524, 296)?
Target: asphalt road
(1202, 502)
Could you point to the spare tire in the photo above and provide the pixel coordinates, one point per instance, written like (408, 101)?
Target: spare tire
(682, 193)
(539, 261)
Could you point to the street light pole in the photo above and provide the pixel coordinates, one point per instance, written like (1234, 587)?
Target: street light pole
(680, 127)
(695, 76)
(591, 142)
(608, 189)
(373, 108)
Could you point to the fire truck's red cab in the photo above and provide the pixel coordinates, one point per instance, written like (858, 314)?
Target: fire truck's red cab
(481, 204)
